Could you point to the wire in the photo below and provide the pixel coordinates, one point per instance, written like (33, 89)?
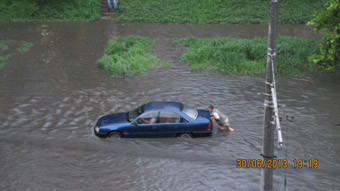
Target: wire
(289, 120)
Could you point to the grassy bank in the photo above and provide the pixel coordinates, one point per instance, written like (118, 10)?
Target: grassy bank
(8, 48)
(214, 11)
(248, 56)
(48, 10)
(129, 56)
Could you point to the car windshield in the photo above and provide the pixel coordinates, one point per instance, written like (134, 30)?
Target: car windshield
(132, 115)
(190, 112)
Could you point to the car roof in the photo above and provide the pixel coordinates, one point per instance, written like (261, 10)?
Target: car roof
(162, 105)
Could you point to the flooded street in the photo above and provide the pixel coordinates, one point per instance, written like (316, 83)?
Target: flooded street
(52, 95)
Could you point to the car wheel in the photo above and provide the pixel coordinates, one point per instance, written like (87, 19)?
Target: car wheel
(115, 135)
(185, 135)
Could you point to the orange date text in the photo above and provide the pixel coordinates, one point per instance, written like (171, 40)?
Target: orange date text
(261, 163)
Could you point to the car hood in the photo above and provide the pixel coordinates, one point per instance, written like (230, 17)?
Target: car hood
(112, 119)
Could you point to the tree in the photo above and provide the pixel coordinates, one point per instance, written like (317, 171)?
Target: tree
(328, 21)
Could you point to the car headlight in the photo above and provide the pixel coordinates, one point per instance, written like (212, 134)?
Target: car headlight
(96, 128)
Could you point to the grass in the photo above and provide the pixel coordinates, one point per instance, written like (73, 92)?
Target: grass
(214, 11)
(4, 44)
(129, 56)
(233, 56)
(8, 48)
(2, 61)
(49, 10)
(25, 46)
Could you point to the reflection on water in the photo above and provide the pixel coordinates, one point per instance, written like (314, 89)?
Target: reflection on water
(51, 96)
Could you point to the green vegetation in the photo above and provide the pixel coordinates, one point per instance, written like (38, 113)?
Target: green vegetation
(12, 47)
(214, 11)
(129, 56)
(328, 21)
(248, 56)
(25, 46)
(4, 44)
(49, 10)
(2, 61)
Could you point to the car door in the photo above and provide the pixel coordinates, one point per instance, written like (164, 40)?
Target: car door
(146, 124)
(171, 124)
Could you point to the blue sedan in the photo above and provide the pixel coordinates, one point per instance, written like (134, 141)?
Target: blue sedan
(156, 119)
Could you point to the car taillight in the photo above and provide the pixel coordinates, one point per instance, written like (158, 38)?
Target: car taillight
(209, 125)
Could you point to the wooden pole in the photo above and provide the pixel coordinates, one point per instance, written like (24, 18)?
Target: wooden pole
(268, 129)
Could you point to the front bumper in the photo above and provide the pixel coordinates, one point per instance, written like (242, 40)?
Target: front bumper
(98, 133)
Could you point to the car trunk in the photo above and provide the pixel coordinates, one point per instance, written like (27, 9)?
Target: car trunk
(204, 113)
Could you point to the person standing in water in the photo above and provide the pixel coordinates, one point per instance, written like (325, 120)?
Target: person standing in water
(220, 118)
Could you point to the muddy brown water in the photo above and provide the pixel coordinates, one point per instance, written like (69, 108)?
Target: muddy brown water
(51, 96)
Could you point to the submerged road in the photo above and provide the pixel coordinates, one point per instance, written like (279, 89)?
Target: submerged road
(52, 95)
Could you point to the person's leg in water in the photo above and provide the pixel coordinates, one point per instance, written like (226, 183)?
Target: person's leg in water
(228, 126)
(220, 125)
(224, 125)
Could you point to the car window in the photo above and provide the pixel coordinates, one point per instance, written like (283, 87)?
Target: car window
(190, 112)
(132, 115)
(171, 117)
(148, 118)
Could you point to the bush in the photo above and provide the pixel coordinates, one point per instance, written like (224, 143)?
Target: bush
(328, 21)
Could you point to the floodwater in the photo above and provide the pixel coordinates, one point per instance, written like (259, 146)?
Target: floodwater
(51, 97)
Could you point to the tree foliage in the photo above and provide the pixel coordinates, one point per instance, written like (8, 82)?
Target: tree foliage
(328, 21)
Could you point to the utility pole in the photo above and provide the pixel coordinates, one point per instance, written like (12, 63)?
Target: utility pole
(268, 129)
